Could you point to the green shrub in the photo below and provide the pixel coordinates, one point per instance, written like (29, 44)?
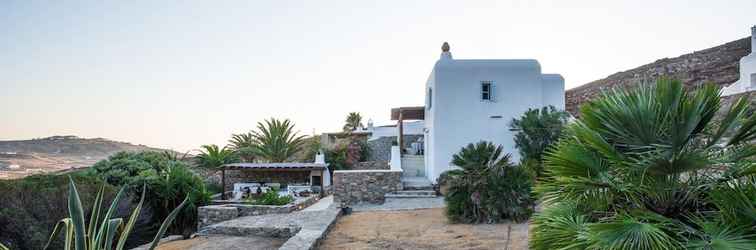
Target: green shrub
(487, 187)
(271, 197)
(649, 168)
(536, 130)
(168, 183)
(30, 207)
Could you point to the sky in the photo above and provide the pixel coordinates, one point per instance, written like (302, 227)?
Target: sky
(180, 74)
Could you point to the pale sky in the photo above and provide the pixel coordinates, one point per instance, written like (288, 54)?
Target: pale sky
(179, 74)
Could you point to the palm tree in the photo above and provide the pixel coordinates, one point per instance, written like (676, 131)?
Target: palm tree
(353, 122)
(487, 187)
(650, 168)
(213, 158)
(243, 144)
(276, 140)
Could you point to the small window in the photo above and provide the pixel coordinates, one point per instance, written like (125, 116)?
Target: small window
(486, 91)
(430, 98)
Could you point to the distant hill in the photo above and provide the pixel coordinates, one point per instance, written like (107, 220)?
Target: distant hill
(24, 157)
(719, 65)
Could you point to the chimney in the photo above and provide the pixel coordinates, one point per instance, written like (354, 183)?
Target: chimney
(445, 54)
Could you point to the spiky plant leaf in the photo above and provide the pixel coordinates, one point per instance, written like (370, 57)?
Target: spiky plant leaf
(167, 222)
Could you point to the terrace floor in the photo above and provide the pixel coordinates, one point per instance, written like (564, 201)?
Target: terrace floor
(420, 229)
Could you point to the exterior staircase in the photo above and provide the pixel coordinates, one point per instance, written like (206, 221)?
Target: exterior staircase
(415, 184)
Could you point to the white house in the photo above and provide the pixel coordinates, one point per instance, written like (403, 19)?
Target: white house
(472, 100)
(747, 81)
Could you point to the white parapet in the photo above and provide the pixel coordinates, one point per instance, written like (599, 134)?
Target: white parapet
(396, 159)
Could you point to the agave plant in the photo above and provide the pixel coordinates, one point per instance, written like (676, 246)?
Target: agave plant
(102, 229)
(3, 247)
(650, 168)
(276, 140)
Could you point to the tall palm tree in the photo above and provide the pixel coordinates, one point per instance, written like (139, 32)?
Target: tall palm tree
(276, 140)
(243, 144)
(213, 157)
(353, 122)
(650, 168)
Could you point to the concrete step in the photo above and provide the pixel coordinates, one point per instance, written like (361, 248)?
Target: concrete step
(412, 194)
(416, 183)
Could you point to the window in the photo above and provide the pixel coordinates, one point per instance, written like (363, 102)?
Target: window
(486, 90)
(430, 98)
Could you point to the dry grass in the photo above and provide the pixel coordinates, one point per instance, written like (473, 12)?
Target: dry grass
(420, 229)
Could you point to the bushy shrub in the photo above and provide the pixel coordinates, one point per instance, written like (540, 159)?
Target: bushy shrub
(271, 197)
(487, 187)
(649, 168)
(168, 182)
(30, 207)
(536, 130)
(344, 155)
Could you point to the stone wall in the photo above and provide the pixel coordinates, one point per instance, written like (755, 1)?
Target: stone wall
(368, 165)
(356, 186)
(240, 176)
(208, 215)
(719, 65)
(380, 149)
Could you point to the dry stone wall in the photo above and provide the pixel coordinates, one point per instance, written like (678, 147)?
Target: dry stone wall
(357, 186)
(719, 65)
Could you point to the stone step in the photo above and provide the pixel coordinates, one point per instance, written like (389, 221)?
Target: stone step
(416, 183)
(412, 194)
(416, 192)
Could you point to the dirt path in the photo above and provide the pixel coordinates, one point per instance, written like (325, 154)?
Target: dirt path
(419, 229)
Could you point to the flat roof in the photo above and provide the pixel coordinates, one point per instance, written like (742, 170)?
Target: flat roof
(285, 166)
(408, 113)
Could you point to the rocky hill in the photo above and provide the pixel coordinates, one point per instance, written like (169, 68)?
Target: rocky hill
(719, 65)
(24, 157)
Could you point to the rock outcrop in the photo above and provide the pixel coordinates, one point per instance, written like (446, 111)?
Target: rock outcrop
(719, 65)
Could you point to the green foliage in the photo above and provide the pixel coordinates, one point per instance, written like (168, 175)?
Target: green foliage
(487, 187)
(353, 122)
(103, 228)
(276, 140)
(536, 130)
(212, 157)
(337, 158)
(168, 183)
(651, 169)
(30, 207)
(344, 155)
(244, 146)
(271, 197)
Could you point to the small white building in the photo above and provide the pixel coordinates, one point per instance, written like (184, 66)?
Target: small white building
(747, 81)
(472, 100)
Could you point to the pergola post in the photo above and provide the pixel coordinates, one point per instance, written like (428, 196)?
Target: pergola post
(223, 182)
(322, 185)
(400, 125)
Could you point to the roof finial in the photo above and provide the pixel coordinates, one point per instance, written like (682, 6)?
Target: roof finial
(445, 47)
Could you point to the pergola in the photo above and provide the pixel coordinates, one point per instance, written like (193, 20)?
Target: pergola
(272, 167)
(406, 113)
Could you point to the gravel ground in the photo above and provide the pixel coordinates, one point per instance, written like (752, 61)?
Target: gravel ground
(401, 204)
(420, 229)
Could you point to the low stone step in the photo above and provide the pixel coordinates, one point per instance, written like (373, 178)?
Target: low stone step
(411, 194)
(416, 192)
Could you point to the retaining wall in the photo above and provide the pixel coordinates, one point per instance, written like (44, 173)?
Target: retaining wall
(357, 186)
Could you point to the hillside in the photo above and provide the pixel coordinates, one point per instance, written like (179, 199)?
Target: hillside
(719, 65)
(24, 157)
